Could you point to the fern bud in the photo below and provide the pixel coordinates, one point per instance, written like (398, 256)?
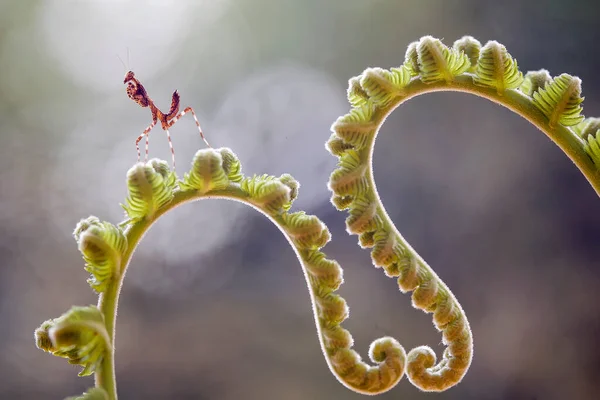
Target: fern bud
(356, 94)
(366, 239)
(341, 202)
(150, 188)
(78, 335)
(336, 337)
(497, 69)
(102, 245)
(294, 186)
(384, 252)
(534, 81)
(336, 146)
(363, 216)
(349, 179)
(470, 47)
(207, 173)
(268, 193)
(332, 308)
(356, 127)
(588, 126)
(231, 165)
(383, 86)
(92, 394)
(325, 272)
(411, 59)
(162, 167)
(42, 338)
(306, 231)
(437, 62)
(560, 100)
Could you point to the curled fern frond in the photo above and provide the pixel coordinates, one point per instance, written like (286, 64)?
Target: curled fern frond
(385, 252)
(102, 245)
(383, 86)
(341, 202)
(207, 172)
(294, 186)
(336, 145)
(366, 239)
(356, 128)
(437, 62)
(307, 231)
(588, 126)
(92, 394)
(471, 48)
(386, 352)
(149, 190)
(560, 100)
(411, 59)
(78, 335)
(534, 81)
(497, 69)
(363, 216)
(356, 94)
(231, 165)
(325, 274)
(349, 179)
(268, 192)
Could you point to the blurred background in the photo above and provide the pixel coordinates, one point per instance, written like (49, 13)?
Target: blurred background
(214, 305)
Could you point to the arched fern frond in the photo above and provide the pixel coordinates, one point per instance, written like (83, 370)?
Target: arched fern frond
(429, 66)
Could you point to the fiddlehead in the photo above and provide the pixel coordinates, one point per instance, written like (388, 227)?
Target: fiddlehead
(553, 105)
(85, 335)
(78, 335)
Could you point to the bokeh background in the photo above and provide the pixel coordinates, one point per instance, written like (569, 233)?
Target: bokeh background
(214, 305)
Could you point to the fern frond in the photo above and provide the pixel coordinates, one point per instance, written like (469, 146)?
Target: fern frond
(383, 86)
(497, 69)
(411, 59)
(207, 172)
(341, 202)
(437, 62)
(560, 101)
(363, 216)
(268, 192)
(102, 245)
(78, 335)
(294, 186)
(356, 127)
(327, 274)
(231, 165)
(471, 48)
(356, 94)
(349, 179)
(384, 251)
(336, 146)
(534, 81)
(307, 231)
(149, 190)
(588, 126)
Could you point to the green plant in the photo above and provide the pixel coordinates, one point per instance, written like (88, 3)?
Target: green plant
(85, 335)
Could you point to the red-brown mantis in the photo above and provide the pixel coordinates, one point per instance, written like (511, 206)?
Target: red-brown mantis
(137, 92)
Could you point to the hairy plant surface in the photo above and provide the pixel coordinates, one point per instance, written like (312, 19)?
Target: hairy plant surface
(85, 335)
